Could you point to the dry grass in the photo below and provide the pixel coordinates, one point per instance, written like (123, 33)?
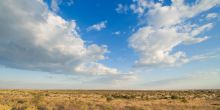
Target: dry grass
(109, 100)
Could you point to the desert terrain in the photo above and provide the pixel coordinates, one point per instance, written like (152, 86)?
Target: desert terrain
(109, 100)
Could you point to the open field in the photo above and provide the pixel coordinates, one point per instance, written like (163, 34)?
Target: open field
(109, 100)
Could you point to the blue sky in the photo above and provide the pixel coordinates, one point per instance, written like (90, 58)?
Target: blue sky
(121, 44)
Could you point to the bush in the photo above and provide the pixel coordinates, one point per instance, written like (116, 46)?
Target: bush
(109, 98)
(20, 101)
(37, 99)
(184, 100)
(174, 97)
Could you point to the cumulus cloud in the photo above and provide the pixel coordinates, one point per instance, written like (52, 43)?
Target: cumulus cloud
(166, 29)
(170, 16)
(155, 46)
(33, 38)
(97, 27)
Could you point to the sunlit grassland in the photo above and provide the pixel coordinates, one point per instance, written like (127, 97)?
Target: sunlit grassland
(109, 100)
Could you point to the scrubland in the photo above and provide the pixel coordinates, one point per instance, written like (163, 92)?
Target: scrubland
(109, 100)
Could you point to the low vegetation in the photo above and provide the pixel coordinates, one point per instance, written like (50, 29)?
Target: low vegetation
(109, 100)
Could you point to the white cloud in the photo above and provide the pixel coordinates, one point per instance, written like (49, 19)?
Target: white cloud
(117, 33)
(170, 16)
(117, 81)
(55, 4)
(122, 8)
(166, 29)
(155, 46)
(211, 55)
(33, 38)
(139, 6)
(98, 26)
(211, 16)
(95, 68)
(177, 11)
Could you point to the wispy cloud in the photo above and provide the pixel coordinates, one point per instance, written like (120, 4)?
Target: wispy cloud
(122, 8)
(97, 27)
(197, 80)
(55, 4)
(211, 16)
(118, 81)
(211, 55)
(116, 33)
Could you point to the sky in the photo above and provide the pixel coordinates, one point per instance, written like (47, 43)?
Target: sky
(110, 44)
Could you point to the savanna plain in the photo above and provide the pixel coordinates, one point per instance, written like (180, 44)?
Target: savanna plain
(109, 100)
